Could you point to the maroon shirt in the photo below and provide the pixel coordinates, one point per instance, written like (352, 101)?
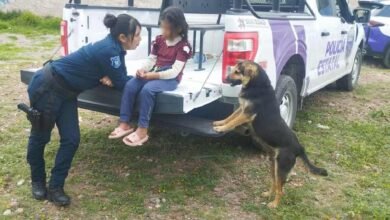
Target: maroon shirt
(167, 55)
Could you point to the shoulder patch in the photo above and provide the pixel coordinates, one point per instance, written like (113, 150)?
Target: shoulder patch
(186, 49)
(116, 62)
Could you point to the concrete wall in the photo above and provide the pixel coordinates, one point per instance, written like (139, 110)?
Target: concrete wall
(54, 7)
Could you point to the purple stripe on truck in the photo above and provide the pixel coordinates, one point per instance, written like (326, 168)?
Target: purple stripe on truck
(300, 30)
(283, 42)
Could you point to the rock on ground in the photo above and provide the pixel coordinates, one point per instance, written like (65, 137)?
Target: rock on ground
(7, 212)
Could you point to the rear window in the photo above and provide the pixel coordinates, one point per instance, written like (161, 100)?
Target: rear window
(327, 7)
(383, 12)
(297, 6)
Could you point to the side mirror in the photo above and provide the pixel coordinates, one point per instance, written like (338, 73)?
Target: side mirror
(362, 15)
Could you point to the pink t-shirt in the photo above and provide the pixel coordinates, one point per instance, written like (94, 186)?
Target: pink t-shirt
(167, 55)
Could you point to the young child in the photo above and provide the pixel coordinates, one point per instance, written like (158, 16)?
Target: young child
(162, 72)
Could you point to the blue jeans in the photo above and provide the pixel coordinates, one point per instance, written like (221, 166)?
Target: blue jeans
(145, 91)
(65, 115)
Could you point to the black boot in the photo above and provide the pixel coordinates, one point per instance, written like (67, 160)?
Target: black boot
(58, 197)
(39, 190)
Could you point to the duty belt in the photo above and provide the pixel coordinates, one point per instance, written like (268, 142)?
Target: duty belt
(58, 83)
(53, 82)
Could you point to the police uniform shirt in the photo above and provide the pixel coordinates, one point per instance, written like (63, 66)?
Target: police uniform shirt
(84, 68)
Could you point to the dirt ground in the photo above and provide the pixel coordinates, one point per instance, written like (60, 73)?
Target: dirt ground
(175, 177)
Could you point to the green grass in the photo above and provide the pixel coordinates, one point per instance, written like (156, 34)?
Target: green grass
(9, 51)
(48, 44)
(208, 178)
(119, 182)
(28, 23)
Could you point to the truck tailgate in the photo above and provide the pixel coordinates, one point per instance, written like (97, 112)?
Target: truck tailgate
(180, 101)
(169, 109)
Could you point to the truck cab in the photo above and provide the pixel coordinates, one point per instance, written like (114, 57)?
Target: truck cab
(303, 46)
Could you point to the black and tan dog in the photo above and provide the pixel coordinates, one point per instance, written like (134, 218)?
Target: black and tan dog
(259, 110)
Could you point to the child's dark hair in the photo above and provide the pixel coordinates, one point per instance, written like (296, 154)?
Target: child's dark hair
(123, 24)
(175, 17)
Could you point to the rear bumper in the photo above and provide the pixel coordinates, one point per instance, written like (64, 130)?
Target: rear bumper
(168, 110)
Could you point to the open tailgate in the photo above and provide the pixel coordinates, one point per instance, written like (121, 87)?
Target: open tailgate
(180, 101)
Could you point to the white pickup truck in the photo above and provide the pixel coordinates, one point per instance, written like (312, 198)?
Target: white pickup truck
(303, 46)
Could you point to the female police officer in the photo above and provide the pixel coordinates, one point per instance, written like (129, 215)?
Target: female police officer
(53, 93)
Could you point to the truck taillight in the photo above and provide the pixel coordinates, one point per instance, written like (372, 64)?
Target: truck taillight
(64, 38)
(238, 46)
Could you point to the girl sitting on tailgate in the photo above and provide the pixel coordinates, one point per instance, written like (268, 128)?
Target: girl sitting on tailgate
(162, 72)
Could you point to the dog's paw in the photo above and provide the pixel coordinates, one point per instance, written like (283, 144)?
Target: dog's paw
(218, 123)
(220, 129)
(273, 205)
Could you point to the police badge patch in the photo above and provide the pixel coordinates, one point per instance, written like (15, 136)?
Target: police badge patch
(116, 62)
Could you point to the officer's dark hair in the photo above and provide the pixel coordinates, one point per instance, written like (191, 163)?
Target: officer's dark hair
(123, 24)
(175, 17)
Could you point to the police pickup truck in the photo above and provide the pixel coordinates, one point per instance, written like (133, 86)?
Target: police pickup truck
(304, 45)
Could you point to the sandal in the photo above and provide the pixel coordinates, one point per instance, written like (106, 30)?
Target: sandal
(134, 140)
(119, 132)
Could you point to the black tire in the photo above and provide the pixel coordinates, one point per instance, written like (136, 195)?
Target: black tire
(386, 59)
(286, 89)
(349, 82)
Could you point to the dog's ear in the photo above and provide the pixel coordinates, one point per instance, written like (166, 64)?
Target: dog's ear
(239, 65)
(251, 70)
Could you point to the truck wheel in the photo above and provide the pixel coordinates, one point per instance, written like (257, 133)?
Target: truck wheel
(350, 81)
(286, 95)
(386, 59)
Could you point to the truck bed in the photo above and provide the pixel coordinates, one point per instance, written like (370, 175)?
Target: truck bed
(180, 101)
(176, 109)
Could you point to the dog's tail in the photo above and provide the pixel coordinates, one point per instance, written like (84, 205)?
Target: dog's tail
(313, 169)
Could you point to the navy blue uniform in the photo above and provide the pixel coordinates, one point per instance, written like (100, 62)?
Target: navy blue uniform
(80, 71)
(84, 68)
